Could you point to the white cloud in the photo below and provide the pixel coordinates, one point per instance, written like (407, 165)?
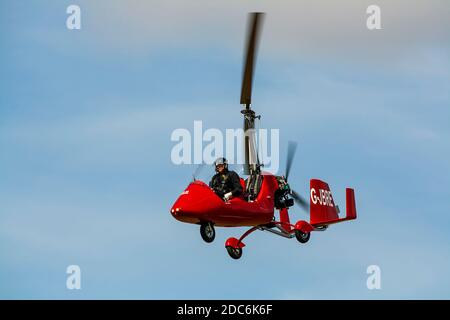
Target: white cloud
(334, 30)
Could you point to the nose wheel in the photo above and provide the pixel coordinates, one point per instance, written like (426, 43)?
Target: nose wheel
(235, 253)
(207, 232)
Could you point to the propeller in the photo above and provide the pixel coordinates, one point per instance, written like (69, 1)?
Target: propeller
(197, 171)
(299, 200)
(292, 148)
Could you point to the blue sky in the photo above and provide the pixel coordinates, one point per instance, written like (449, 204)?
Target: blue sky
(85, 124)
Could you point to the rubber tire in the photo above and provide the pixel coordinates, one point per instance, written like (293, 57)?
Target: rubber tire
(207, 232)
(235, 253)
(302, 237)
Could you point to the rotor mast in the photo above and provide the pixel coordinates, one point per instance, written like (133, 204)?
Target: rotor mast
(252, 165)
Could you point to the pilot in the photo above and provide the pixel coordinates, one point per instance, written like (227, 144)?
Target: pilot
(225, 183)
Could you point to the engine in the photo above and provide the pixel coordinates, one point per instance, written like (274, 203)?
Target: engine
(283, 198)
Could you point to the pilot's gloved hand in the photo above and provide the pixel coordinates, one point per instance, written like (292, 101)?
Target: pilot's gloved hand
(227, 196)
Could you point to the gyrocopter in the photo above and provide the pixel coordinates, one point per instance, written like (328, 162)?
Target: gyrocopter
(264, 193)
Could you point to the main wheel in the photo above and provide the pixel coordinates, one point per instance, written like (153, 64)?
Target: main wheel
(235, 253)
(302, 237)
(207, 232)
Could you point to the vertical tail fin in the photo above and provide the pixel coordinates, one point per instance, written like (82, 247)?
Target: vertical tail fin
(323, 210)
(322, 207)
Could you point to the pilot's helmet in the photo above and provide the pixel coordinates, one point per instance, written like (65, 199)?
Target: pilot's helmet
(221, 161)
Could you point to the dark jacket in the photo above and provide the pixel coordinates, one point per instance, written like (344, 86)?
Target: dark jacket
(227, 181)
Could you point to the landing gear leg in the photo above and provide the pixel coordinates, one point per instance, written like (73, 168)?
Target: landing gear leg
(234, 246)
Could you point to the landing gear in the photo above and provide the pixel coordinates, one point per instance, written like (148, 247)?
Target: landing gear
(235, 253)
(234, 246)
(207, 232)
(302, 237)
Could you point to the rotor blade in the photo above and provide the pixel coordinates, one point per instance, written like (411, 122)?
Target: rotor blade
(292, 147)
(253, 31)
(300, 200)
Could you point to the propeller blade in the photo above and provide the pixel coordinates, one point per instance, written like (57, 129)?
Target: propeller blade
(292, 148)
(253, 31)
(198, 170)
(299, 200)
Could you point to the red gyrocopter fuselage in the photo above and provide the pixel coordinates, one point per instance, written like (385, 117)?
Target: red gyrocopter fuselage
(198, 204)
